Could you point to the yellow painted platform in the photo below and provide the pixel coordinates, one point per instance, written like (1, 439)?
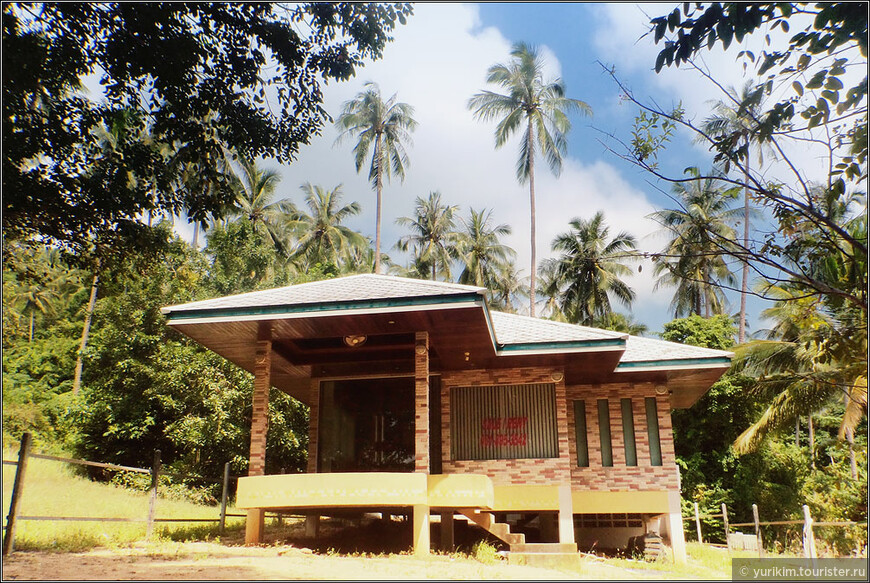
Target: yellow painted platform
(352, 490)
(384, 490)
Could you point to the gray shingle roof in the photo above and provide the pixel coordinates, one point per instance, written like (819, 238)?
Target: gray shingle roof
(639, 349)
(342, 289)
(514, 329)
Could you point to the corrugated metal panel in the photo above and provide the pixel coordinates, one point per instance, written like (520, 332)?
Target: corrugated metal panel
(504, 422)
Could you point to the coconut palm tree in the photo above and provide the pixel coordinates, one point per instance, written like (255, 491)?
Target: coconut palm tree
(384, 128)
(432, 236)
(694, 259)
(481, 253)
(321, 236)
(508, 288)
(255, 190)
(590, 268)
(540, 109)
(737, 120)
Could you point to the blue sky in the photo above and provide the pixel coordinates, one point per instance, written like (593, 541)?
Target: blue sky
(439, 59)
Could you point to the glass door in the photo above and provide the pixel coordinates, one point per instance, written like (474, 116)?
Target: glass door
(366, 425)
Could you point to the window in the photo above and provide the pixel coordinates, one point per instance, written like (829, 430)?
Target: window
(628, 433)
(580, 434)
(652, 424)
(608, 520)
(604, 433)
(503, 422)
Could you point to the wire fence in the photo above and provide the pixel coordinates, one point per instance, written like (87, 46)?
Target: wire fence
(155, 473)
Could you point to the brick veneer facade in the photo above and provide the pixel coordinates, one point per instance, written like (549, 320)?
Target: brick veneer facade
(421, 402)
(545, 471)
(260, 413)
(564, 469)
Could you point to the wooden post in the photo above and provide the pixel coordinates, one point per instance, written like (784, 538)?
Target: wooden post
(152, 505)
(809, 537)
(224, 495)
(757, 531)
(17, 487)
(725, 521)
(698, 523)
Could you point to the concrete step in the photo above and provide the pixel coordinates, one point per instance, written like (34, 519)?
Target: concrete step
(544, 548)
(549, 560)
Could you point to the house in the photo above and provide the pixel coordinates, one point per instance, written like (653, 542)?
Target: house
(424, 401)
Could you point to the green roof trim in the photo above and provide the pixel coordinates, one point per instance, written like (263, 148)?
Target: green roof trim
(195, 314)
(568, 344)
(675, 361)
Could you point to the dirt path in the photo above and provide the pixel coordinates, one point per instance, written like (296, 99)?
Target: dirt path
(210, 561)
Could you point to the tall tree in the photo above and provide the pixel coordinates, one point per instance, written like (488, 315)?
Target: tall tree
(432, 236)
(482, 255)
(693, 259)
(255, 191)
(196, 73)
(384, 128)
(590, 268)
(321, 236)
(540, 109)
(739, 118)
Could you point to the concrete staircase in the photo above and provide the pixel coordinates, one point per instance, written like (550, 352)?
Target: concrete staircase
(500, 530)
(551, 555)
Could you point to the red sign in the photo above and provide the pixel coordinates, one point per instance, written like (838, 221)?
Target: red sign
(504, 431)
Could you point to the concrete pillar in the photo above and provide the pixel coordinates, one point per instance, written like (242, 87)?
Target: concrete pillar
(421, 529)
(312, 525)
(259, 427)
(447, 538)
(675, 528)
(566, 515)
(421, 403)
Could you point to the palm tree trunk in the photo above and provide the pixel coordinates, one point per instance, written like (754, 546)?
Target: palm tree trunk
(850, 439)
(378, 186)
(531, 148)
(30, 338)
(744, 287)
(195, 233)
(797, 431)
(812, 443)
(86, 330)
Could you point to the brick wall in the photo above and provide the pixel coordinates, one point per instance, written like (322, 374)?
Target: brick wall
(644, 476)
(260, 413)
(313, 427)
(511, 471)
(421, 402)
(564, 469)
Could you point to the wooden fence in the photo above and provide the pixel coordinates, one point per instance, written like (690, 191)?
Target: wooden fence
(155, 472)
(808, 537)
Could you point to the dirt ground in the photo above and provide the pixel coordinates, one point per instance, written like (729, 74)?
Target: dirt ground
(212, 561)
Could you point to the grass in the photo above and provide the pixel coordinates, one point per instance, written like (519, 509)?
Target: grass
(52, 489)
(704, 562)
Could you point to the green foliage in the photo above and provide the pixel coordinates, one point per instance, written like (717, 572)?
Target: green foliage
(241, 260)
(716, 332)
(485, 552)
(181, 82)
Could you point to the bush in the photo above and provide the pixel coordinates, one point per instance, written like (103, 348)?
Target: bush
(169, 489)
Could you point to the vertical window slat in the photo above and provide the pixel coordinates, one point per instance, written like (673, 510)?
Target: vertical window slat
(604, 433)
(580, 434)
(628, 433)
(652, 425)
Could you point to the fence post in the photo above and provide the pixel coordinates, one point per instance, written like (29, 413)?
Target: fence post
(698, 523)
(224, 497)
(17, 487)
(809, 537)
(725, 521)
(152, 506)
(757, 531)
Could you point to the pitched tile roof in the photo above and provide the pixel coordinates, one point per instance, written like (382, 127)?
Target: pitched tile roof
(352, 288)
(649, 350)
(515, 329)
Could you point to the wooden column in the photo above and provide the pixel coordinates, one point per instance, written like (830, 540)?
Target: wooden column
(421, 400)
(259, 427)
